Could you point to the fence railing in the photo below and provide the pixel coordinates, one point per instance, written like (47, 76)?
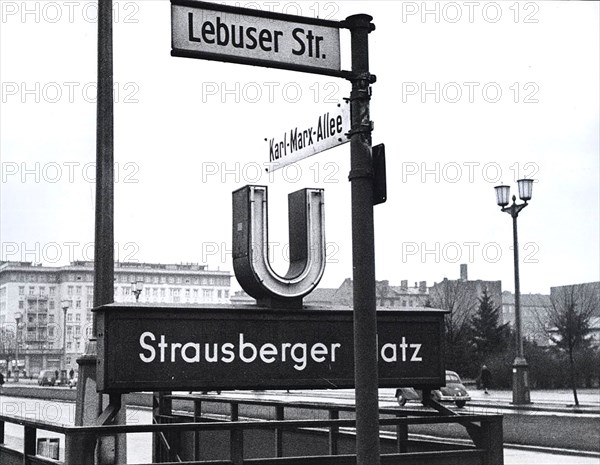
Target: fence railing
(172, 429)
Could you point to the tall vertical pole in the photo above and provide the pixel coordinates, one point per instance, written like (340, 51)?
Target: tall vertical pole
(64, 357)
(90, 403)
(517, 290)
(520, 383)
(104, 233)
(363, 247)
(16, 369)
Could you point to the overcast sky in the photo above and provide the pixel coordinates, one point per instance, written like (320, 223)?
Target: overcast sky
(468, 95)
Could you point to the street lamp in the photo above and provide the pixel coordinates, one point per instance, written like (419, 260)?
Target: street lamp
(65, 304)
(136, 289)
(18, 317)
(520, 381)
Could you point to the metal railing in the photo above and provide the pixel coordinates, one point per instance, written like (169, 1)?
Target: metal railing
(170, 445)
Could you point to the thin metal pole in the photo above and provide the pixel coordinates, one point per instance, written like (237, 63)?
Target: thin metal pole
(517, 290)
(104, 233)
(363, 248)
(90, 403)
(16, 370)
(521, 394)
(64, 357)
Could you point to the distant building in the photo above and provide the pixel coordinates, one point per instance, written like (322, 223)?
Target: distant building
(587, 295)
(463, 294)
(241, 298)
(386, 296)
(533, 310)
(49, 299)
(393, 297)
(406, 297)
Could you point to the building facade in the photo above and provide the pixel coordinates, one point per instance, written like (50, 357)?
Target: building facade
(533, 310)
(462, 295)
(45, 312)
(392, 297)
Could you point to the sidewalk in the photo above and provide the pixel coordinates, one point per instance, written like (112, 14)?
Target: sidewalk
(562, 399)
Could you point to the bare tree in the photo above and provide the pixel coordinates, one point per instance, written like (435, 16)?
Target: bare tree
(460, 298)
(568, 321)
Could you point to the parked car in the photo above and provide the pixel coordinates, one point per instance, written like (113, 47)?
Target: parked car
(453, 391)
(47, 378)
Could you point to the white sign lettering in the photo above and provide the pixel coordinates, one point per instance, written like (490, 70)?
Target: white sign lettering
(299, 353)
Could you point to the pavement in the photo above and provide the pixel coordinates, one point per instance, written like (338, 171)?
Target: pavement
(543, 399)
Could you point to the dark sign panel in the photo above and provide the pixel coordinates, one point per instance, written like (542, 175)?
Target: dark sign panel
(230, 347)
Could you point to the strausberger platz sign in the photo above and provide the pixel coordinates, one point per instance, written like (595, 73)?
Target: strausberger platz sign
(225, 33)
(236, 347)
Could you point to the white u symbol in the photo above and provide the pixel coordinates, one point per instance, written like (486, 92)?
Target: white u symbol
(250, 245)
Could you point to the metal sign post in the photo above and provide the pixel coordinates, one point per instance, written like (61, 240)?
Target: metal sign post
(363, 247)
(206, 30)
(239, 35)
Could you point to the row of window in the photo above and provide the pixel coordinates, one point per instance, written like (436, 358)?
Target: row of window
(41, 290)
(126, 278)
(150, 294)
(41, 306)
(175, 293)
(44, 318)
(391, 303)
(48, 277)
(192, 280)
(33, 278)
(77, 290)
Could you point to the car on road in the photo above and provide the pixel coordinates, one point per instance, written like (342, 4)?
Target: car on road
(47, 378)
(453, 391)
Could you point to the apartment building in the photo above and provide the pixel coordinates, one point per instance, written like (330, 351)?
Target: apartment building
(45, 312)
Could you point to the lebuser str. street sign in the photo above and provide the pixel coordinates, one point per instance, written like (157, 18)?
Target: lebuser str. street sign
(322, 132)
(241, 35)
(141, 347)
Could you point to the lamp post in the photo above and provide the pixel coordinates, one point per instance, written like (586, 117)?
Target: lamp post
(520, 380)
(136, 289)
(65, 304)
(18, 317)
